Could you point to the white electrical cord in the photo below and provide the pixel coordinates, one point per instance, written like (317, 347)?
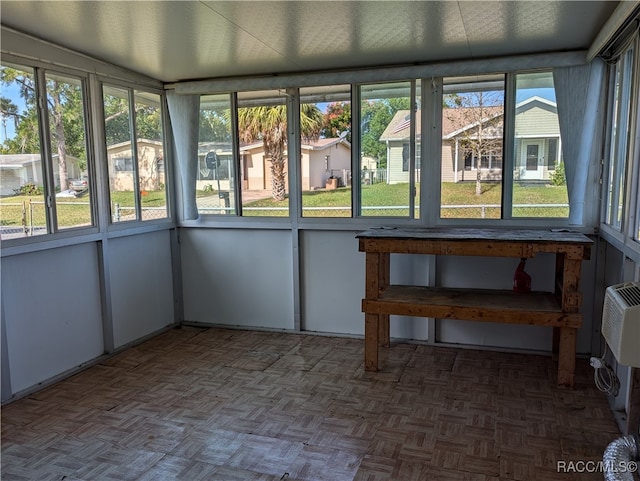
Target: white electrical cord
(604, 376)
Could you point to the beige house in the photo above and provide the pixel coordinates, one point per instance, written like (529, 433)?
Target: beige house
(321, 159)
(150, 165)
(537, 149)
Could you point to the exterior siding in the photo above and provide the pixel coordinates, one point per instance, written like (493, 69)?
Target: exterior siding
(448, 162)
(150, 178)
(537, 122)
(394, 164)
(314, 174)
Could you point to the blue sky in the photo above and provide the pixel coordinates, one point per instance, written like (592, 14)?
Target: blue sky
(11, 92)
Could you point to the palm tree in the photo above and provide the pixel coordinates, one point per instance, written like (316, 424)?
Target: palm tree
(269, 123)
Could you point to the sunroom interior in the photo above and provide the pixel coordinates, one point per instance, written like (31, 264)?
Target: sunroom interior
(203, 168)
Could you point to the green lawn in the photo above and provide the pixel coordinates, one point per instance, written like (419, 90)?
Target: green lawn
(72, 211)
(461, 194)
(320, 203)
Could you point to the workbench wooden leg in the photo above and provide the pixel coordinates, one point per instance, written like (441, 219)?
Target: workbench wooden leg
(555, 347)
(371, 340)
(383, 330)
(567, 356)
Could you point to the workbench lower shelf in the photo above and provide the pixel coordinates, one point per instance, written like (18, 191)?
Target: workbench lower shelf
(533, 308)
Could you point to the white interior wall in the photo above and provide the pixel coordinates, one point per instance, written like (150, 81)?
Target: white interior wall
(497, 273)
(493, 273)
(52, 309)
(333, 279)
(52, 305)
(238, 277)
(219, 271)
(141, 280)
(332, 282)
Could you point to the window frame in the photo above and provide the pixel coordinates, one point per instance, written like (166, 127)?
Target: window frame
(41, 71)
(131, 90)
(430, 97)
(625, 237)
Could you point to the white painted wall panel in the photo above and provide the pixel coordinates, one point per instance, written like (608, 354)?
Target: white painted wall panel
(51, 302)
(494, 273)
(141, 285)
(333, 279)
(238, 277)
(410, 269)
(497, 273)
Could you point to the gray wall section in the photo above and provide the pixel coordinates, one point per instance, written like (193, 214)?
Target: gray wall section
(497, 273)
(52, 311)
(238, 277)
(332, 282)
(51, 302)
(235, 277)
(141, 285)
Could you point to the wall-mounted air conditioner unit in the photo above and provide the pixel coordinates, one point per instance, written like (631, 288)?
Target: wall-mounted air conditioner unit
(621, 322)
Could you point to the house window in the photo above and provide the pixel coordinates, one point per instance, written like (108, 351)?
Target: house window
(621, 94)
(552, 154)
(539, 190)
(325, 157)
(47, 191)
(134, 135)
(406, 152)
(405, 157)
(472, 126)
(123, 164)
(389, 135)
(215, 184)
(469, 161)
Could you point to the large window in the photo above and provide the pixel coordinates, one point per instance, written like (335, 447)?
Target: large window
(135, 154)
(325, 151)
(43, 191)
(475, 131)
(621, 88)
(389, 140)
(489, 124)
(262, 132)
(539, 183)
(215, 187)
(472, 140)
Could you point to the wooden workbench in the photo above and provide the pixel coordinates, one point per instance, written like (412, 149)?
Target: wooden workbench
(558, 309)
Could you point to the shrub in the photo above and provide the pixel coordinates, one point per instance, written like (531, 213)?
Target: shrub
(29, 189)
(558, 176)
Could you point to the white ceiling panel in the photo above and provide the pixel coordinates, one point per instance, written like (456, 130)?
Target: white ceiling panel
(188, 40)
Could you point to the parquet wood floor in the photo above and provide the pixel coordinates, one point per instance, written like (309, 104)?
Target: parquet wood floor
(228, 405)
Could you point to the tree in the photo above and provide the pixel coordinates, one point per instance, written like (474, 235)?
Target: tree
(375, 118)
(269, 124)
(117, 127)
(480, 115)
(336, 120)
(117, 120)
(27, 137)
(66, 119)
(8, 110)
(215, 126)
